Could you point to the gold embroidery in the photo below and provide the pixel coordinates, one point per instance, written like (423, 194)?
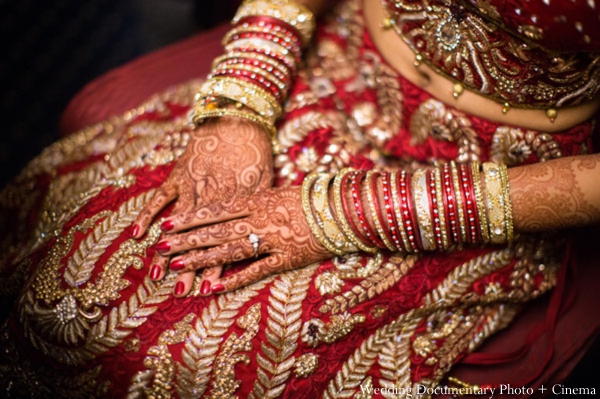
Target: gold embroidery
(513, 146)
(225, 384)
(305, 365)
(328, 283)
(282, 333)
(199, 353)
(366, 391)
(378, 282)
(339, 327)
(433, 118)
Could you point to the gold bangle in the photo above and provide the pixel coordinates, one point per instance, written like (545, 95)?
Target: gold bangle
(247, 28)
(378, 227)
(495, 202)
(258, 71)
(508, 214)
(307, 184)
(425, 225)
(287, 11)
(322, 208)
(200, 114)
(342, 217)
(459, 202)
(398, 210)
(479, 203)
(437, 175)
(251, 95)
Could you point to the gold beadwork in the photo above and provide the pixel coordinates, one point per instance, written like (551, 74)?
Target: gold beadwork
(398, 210)
(437, 175)
(505, 108)
(310, 216)
(378, 227)
(495, 202)
(459, 201)
(457, 89)
(479, 203)
(508, 214)
(342, 217)
(552, 113)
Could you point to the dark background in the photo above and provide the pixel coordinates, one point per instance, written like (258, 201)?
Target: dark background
(51, 49)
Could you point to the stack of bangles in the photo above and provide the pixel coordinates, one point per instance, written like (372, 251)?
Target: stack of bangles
(435, 209)
(263, 50)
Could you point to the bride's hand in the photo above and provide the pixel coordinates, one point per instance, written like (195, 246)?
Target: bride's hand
(226, 161)
(221, 234)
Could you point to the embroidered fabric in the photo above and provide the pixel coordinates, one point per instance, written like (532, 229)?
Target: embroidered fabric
(84, 303)
(491, 49)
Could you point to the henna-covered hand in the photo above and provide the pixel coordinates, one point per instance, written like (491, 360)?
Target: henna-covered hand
(221, 236)
(226, 161)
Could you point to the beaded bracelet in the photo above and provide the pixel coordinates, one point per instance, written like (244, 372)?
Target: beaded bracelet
(398, 209)
(373, 203)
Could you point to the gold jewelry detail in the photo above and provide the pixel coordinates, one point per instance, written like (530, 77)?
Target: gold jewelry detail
(378, 227)
(246, 28)
(508, 214)
(307, 184)
(479, 204)
(459, 202)
(398, 209)
(287, 11)
(457, 89)
(342, 217)
(419, 187)
(325, 220)
(252, 96)
(495, 202)
(254, 57)
(258, 71)
(200, 114)
(387, 23)
(437, 175)
(552, 113)
(505, 108)
(264, 45)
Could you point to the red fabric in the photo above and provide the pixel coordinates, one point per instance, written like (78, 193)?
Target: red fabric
(126, 86)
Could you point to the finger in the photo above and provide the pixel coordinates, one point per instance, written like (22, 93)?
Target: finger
(209, 276)
(165, 194)
(205, 237)
(158, 267)
(202, 216)
(253, 273)
(230, 252)
(183, 284)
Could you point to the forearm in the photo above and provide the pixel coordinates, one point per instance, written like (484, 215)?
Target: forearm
(557, 194)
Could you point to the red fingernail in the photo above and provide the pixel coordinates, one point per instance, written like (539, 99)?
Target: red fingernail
(163, 246)
(167, 225)
(217, 288)
(177, 265)
(205, 287)
(179, 287)
(135, 230)
(155, 272)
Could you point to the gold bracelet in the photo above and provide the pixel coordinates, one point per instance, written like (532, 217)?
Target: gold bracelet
(425, 225)
(398, 210)
(254, 57)
(322, 208)
(247, 28)
(200, 114)
(258, 71)
(459, 202)
(287, 11)
(508, 213)
(479, 204)
(495, 202)
(251, 95)
(342, 217)
(307, 184)
(437, 175)
(378, 227)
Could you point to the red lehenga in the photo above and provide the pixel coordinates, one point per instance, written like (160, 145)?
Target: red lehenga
(88, 322)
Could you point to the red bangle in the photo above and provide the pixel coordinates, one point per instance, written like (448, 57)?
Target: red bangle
(373, 240)
(276, 56)
(435, 217)
(450, 204)
(269, 21)
(378, 213)
(257, 64)
(346, 208)
(389, 208)
(410, 221)
(294, 50)
(257, 80)
(469, 195)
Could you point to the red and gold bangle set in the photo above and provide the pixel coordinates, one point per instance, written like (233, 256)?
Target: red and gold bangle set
(263, 50)
(431, 209)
